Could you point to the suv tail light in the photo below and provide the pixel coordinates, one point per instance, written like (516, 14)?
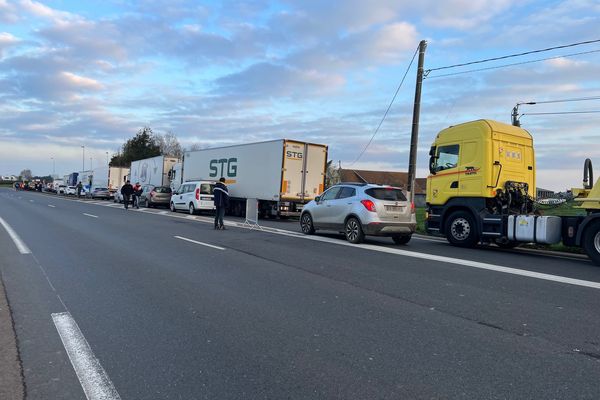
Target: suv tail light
(412, 207)
(369, 205)
(197, 193)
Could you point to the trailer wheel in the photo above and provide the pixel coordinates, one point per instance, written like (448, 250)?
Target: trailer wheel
(461, 229)
(591, 241)
(306, 224)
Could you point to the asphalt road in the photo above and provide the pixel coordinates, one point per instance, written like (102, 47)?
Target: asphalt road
(171, 309)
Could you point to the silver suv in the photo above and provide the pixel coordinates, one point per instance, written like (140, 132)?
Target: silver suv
(357, 210)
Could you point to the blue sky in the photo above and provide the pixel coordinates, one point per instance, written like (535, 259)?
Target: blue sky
(91, 73)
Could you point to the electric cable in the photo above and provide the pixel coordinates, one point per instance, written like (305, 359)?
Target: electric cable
(514, 55)
(563, 112)
(388, 108)
(510, 65)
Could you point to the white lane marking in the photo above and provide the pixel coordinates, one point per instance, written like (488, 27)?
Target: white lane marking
(23, 249)
(200, 243)
(31, 201)
(90, 215)
(93, 378)
(50, 205)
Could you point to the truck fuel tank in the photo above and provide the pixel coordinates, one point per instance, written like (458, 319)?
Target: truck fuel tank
(535, 229)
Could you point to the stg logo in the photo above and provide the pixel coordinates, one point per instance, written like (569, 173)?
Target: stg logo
(224, 166)
(293, 154)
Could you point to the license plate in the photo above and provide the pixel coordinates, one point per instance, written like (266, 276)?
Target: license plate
(394, 208)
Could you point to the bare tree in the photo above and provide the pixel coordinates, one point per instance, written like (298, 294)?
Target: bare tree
(194, 147)
(170, 146)
(26, 174)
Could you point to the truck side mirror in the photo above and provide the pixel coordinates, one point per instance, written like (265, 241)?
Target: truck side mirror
(432, 160)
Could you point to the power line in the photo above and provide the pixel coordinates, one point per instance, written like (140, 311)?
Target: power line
(563, 112)
(512, 65)
(388, 108)
(565, 100)
(513, 55)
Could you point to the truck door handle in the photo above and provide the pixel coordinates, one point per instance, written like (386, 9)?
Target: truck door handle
(454, 185)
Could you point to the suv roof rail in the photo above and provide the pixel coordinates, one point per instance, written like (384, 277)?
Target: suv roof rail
(353, 183)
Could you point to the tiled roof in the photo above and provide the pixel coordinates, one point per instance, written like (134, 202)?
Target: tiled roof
(391, 178)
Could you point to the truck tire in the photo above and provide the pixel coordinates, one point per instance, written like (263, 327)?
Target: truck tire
(401, 239)
(353, 231)
(461, 229)
(591, 241)
(306, 224)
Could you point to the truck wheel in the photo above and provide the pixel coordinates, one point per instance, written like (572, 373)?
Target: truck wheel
(353, 231)
(461, 229)
(401, 239)
(306, 223)
(591, 241)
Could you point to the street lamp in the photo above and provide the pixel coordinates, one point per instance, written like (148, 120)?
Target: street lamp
(107, 158)
(83, 158)
(53, 166)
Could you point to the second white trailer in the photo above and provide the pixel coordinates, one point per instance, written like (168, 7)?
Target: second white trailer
(281, 174)
(152, 171)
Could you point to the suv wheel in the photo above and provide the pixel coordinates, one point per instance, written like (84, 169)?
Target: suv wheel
(401, 239)
(173, 207)
(591, 242)
(306, 223)
(353, 231)
(461, 230)
(192, 209)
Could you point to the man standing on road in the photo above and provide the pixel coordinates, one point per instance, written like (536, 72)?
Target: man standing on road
(137, 191)
(221, 199)
(126, 191)
(79, 189)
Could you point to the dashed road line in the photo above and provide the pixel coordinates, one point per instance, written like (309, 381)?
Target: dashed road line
(93, 378)
(51, 206)
(90, 215)
(23, 249)
(200, 243)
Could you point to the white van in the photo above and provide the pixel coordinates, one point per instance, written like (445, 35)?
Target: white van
(193, 196)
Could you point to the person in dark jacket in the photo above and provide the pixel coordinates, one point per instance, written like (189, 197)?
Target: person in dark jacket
(221, 199)
(127, 191)
(79, 189)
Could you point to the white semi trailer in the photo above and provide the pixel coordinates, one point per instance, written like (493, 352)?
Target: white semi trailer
(152, 171)
(282, 175)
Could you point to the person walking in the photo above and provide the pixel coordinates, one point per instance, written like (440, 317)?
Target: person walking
(126, 191)
(137, 191)
(221, 200)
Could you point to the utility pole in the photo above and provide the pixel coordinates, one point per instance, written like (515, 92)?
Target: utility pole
(53, 167)
(414, 136)
(83, 158)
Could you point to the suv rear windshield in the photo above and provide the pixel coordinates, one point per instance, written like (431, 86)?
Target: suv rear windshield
(162, 189)
(390, 194)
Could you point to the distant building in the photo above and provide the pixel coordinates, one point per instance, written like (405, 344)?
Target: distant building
(544, 193)
(392, 178)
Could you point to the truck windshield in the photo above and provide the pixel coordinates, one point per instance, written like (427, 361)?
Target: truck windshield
(447, 157)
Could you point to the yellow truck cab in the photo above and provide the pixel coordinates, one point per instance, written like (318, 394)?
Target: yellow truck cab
(481, 188)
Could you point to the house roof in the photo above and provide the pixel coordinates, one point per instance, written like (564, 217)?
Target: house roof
(392, 178)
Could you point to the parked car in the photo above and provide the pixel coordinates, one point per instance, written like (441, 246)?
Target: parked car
(62, 189)
(153, 196)
(194, 196)
(100, 193)
(357, 210)
(71, 190)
